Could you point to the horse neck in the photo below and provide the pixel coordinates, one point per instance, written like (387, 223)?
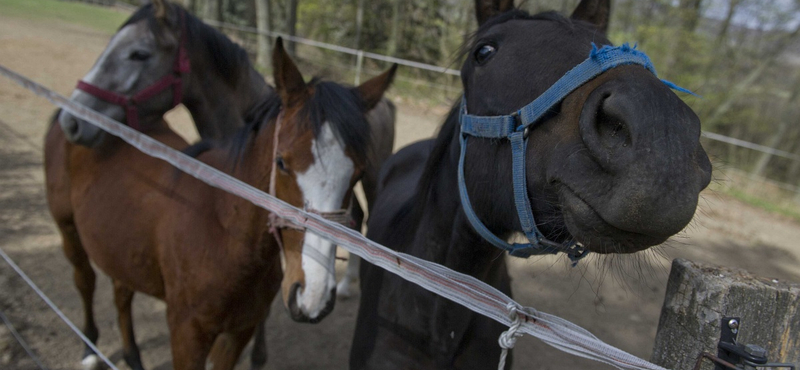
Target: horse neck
(218, 107)
(446, 236)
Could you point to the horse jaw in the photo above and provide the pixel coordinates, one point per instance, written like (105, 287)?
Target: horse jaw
(324, 185)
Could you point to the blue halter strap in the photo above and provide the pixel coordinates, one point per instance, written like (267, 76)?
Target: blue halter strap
(515, 128)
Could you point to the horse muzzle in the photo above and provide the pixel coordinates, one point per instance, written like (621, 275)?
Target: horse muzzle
(78, 131)
(299, 314)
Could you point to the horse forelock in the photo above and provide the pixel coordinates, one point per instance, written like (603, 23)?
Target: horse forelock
(343, 109)
(333, 103)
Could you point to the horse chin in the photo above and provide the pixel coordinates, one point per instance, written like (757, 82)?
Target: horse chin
(299, 316)
(589, 228)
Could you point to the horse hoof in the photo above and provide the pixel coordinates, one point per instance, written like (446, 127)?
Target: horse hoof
(91, 362)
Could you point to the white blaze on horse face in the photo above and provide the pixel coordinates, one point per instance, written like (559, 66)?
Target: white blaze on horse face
(324, 186)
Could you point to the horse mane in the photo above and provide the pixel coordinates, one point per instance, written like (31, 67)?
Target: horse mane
(407, 218)
(225, 55)
(338, 105)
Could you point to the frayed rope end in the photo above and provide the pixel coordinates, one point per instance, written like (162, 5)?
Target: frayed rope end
(675, 87)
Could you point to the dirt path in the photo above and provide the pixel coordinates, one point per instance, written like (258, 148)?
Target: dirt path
(610, 297)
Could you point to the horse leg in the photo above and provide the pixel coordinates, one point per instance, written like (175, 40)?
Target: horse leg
(190, 343)
(123, 297)
(84, 277)
(347, 287)
(258, 358)
(227, 349)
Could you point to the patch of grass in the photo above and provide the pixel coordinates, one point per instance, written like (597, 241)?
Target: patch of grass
(769, 206)
(103, 19)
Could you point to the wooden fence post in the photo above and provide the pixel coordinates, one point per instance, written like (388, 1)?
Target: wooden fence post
(697, 298)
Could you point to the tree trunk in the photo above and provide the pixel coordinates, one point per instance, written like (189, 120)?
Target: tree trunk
(723, 31)
(391, 46)
(764, 158)
(359, 23)
(263, 24)
(737, 90)
(291, 25)
(627, 15)
(213, 10)
(690, 14)
(649, 18)
(697, 298)
(191, 5)
(778, 135)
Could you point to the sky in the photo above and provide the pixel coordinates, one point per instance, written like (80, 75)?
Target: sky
(758, 13)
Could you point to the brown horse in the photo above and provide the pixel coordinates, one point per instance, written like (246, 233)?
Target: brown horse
(207, 253)
(220, 88)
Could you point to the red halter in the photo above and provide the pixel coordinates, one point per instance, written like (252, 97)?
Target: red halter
(129, 103)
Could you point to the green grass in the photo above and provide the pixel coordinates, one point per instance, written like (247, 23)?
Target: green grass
(767, 205)
(103, 19)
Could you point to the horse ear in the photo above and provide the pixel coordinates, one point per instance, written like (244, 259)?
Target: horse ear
(596, 12)
(288, 80)
(372, 91)
(160, 9)
(486, 9)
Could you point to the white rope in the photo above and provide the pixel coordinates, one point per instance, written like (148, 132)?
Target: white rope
(55, 308)
(509, 337)
(459, 288)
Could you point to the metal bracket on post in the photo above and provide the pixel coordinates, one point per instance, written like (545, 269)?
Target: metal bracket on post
(729, 331)
(733, 355)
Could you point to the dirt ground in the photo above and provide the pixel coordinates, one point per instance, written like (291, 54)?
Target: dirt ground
(616, 298)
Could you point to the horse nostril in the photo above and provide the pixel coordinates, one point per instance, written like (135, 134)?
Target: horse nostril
(612, 131)
(72, 127)
(294, 308)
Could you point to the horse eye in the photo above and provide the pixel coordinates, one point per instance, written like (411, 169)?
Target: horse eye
(281, 164)
(484, 53)
(139, 56)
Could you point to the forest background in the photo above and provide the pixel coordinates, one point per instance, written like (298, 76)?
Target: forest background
(742, 57)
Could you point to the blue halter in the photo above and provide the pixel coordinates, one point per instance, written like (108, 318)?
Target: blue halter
(515, 128)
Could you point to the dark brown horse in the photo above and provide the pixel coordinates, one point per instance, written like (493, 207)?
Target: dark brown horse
(209, 254)
(616, 165)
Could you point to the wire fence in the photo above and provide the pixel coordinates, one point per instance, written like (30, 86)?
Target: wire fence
(55, 309)
(459, 288)
(440, 85)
